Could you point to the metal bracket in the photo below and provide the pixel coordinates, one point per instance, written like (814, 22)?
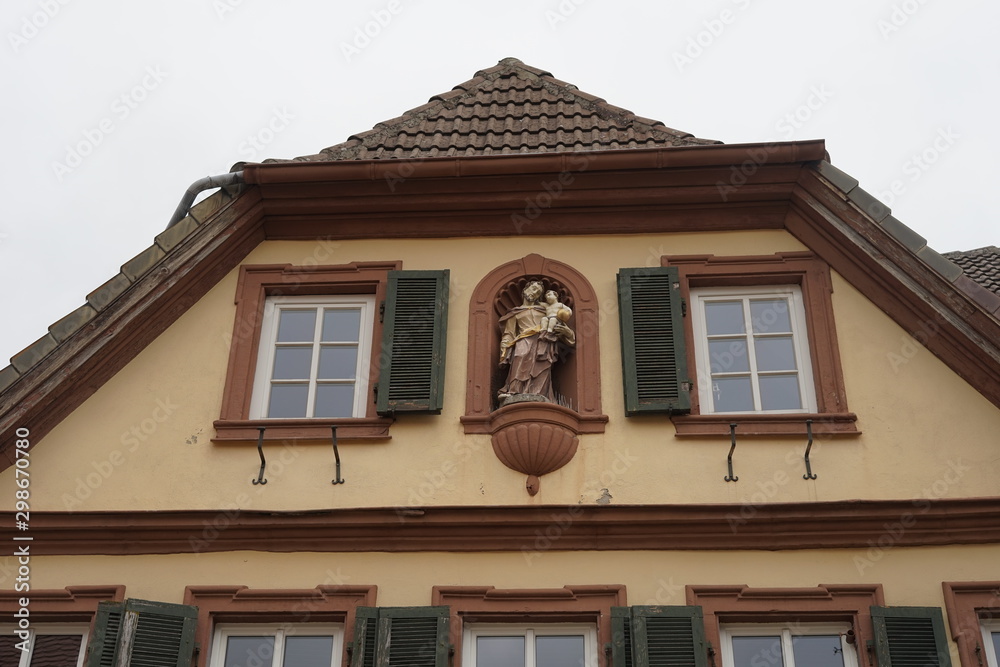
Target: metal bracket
(809, 431)
(336, 455)
(732, 435)
(260, 450)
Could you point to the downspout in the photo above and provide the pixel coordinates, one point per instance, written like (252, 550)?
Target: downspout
(202, 184)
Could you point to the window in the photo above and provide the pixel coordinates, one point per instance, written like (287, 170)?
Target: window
(541, 645)
(787, 645)
(991, 642)
(302, 645)
(62, 645)
(752, 350)
(314, 357)
(690, 348)
(347, 346)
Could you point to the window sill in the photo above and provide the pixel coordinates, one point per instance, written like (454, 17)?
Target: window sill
(825, 424)
(246, 430)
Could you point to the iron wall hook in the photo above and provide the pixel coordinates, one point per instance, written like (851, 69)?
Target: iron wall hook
(336, 456)
(260, 450)
(809, 431)
(729, 461)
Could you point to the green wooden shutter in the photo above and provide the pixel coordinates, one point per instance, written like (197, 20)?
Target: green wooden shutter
(910, 637)
(401, 637)
(658, 637)
(103, 642)
(654, 355)
(411, 377)
(140, 633)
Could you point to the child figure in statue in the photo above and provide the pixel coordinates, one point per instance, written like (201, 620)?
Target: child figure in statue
(555, 312)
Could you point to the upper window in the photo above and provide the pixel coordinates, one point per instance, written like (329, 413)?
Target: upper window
(752, 350)
(46, 645)
(539, 645)
(314, 357)
(302, 645)
(787, 645)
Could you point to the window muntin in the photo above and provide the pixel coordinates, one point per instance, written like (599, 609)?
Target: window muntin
(991, 642)
(278, 645)
(537, 645)
(752, 350)
(314, 357)
(787, 645)
(48, 644)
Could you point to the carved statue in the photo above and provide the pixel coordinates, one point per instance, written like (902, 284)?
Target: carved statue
(530, 344)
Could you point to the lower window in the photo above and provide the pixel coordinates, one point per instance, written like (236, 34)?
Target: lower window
(541, 645)
(991, 642)
(787, 645)
(281, 645)
(62, 645)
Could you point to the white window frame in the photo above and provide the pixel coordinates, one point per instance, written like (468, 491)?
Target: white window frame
(36, 629)
(268, 337)
(800, 339)
(786, 630)
(988, 627)
(529, 630)
(279, 631)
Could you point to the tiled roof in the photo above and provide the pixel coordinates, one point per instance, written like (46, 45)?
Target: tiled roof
(510, 108)
(982, 265)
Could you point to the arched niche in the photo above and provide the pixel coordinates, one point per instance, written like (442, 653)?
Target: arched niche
(577, 378)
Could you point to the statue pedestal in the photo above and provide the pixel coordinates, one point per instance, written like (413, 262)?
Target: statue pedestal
(534, 437)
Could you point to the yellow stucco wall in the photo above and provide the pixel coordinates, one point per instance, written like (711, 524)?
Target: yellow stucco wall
(909, 576)
(144, 439)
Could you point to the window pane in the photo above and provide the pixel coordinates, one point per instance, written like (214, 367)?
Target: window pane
(288, 400)
(297, 326)
(996, 644)
(338, 363)
(308, 652)
(724, 317)
(818, 651)
(775, 354)
(770, 316)
(292, 363)
(732, 394)
(729, 355)
(499, 651)
(334, 400)
(757, 652)
(55, 650)
(779, 392)
(341, 325)
(249, 651)
(562, 651)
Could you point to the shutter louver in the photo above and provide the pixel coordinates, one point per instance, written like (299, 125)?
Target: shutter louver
(401, 637)
(910, 637)
(659, 637)
(653, 350)
(413, 342)
(140, 633)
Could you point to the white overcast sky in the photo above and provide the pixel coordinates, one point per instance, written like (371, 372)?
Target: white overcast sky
(160, 94)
